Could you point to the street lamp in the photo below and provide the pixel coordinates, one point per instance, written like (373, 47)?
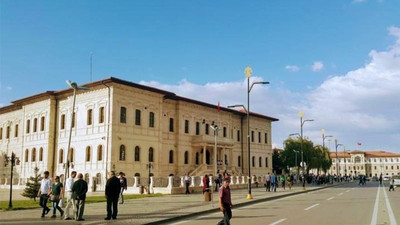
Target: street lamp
(337, 167)
(301, 145)
(215, 128)
(324, 136)
(75, 87)
(149, 166)
(14, 161)
(298, 135)
(248, 71)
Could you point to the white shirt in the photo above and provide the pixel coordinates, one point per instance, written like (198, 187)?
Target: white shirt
(267, 177)
(69, 183)
(45, 185)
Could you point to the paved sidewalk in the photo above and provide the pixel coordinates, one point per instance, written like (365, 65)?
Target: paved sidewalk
(146, 210)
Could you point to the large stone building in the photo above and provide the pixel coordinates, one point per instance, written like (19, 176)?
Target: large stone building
(122, 126)
(369, 163)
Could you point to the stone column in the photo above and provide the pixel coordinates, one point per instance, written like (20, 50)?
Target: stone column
(201, 181)
(170, 182)
(182, 181)
(192, 184)
(204, 155)
(135, 182)
(237, 180)
(243, 179)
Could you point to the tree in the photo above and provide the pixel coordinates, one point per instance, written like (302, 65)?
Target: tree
(33, 185)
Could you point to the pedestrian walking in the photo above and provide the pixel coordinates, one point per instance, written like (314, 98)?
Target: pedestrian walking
(225, 203)
(391, 188)
(43, 193)
(283, 181)
(274, 182)
(268, 182)
(56, 194)
(79, 190)
(380, 179)
(124, 186)
(68, 194)
(206, 184)
(289, 181)
(113, 187)
(188, 180)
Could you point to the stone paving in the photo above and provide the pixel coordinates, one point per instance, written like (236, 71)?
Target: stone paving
(145, 210)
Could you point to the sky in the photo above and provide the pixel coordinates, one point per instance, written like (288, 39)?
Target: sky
(336, 61)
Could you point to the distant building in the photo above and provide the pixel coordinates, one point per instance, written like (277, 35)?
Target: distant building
(123, 126)
(369, 163)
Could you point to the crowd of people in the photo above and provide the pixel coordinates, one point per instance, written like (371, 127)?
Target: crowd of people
(75, 193)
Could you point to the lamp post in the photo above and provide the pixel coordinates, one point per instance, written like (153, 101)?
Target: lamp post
(301, 145)
(14, 161)
(215, 128)
(298, 135)
(344, 158)
(337, 162)
(324, 137)
(149, 166)
(75, 87)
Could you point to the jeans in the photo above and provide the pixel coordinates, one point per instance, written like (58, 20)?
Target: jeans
(55, 207)
(112, 202)
(80, 207)
(268, 186)
(121, 196)
(43, 203)
(70, 202)
(227, 215)
(187, 188)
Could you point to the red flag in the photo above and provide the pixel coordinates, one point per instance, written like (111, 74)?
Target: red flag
(359, 143)
(218, 108)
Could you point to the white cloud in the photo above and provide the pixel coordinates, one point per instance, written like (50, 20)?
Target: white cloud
(317, 66)
(292, 68)
(8, 88)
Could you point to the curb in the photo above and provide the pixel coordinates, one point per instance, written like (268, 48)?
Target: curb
(239, 205)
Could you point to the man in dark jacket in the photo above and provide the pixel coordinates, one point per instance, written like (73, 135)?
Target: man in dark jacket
(79, 190)
(113, 188)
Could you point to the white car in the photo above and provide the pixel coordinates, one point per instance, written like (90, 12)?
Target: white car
(386, 178)
(396, 179)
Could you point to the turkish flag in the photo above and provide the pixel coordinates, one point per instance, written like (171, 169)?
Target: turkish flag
(359, 143)
(218, 107)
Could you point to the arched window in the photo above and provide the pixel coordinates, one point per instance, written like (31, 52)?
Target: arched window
(239, 161)
(259, 162)
(137, 154)
(33, 159)
(62, 122)
(89, 116)
(71, 155)
(99, 152)
(357, 159)
(171, 156)
(88, 154)
(61, 156)
(197, 158)
(266, 161)
(151, 155)
(101, 115)
(28, 126)
(122, 152)
(26, 155)
(253, 161)
(226, 159)
(137, 117)
(40, 154)
(186, 157)
(42, 123)
(122, 115)
(35, 125)
(151, 119)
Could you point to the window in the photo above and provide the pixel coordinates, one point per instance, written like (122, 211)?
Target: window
(375, 167)
(259, 162)
(100, 153)
(26, 155)
(151, 119)
(266, 162)
(122, 153)
(8, 132)
(171, 124)
(33, 156)
(137, 154)
(101, 115)
(226, 159)
(40, 154)
(137, 117)
(151, 155)
(224, 132)
(266, 138)
(62, 122)
(239, 161)
(87, 154)
(259, 137)
(238, 135)
(207, 128)
(89, 116)
(122, 115)
(171, 156)
(186, 126)
(252, 136)
(186, 157)
(197, 128)
(73, 120)
(1, 133)
(16, 130)
(71, 155)
(197, 158)
(61, 156)
(28, 126)
(35, 125)
(42, 123)
(253, 161)
(392, 167)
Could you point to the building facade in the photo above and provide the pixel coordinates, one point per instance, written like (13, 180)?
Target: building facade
(123, 126)
(369, 163)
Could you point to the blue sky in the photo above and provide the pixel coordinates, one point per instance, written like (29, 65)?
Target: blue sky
(173, 43)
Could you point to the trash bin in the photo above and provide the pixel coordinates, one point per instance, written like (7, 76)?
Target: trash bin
(207, 196)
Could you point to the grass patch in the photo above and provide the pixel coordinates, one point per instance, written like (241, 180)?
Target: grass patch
(30, 204)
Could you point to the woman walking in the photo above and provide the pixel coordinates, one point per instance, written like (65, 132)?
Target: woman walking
(283, 181)
(56, 194)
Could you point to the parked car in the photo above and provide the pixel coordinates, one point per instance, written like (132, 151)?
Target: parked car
(386, 178)
(396, 180)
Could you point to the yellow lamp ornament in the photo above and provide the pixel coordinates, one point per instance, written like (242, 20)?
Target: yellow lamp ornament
(301, 114)
(248, 71)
